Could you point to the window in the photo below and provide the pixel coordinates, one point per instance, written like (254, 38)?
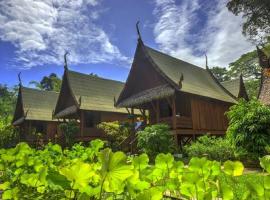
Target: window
(92, 119)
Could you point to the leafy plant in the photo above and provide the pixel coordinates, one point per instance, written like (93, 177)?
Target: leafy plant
(249, 127)
(69, 130)
(91, 172)
(214, 148)
(155, 139)
(116, 133)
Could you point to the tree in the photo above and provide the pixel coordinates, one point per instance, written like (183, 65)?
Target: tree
(221, 73)
(249, 127)
(247, 65)
(7, 100)
(49, 83)
(256, 14)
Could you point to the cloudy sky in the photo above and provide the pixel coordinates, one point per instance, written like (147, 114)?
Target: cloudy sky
(100, 35)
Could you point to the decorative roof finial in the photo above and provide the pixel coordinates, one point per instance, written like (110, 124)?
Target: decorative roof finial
(206, 62)
(181, 80)
(138, 30)
(20, 80)
(65, 58)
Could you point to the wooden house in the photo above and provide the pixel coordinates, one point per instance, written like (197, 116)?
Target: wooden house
(264, 90)
(33, 114)
(236, 87)
(89, 100)
(186, 97)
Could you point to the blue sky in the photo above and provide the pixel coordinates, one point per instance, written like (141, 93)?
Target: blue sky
(101, 38)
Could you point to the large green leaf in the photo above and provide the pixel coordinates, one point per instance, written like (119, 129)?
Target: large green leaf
(114, 170)
(233, 168)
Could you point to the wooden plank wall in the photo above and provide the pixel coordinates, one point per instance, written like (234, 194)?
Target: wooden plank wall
(208, 114)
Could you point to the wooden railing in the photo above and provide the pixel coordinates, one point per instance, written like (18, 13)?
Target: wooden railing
(181, 121)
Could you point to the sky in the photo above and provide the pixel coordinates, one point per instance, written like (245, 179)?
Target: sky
(101, 38)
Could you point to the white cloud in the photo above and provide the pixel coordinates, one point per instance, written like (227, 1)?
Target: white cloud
(42, 30)
(179, 31)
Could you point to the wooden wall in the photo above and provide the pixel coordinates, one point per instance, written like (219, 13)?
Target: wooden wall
(208, 114)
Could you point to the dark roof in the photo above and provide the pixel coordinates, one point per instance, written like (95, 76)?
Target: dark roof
(196, 80)
(95, 93)
(36, 104)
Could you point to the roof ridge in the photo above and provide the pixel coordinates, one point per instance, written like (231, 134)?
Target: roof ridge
(96, 77)
(39, 90)
(192, 65)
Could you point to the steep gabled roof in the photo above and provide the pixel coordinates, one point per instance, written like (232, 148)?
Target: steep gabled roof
(34, 104)
(93, 93)
(236, 87)
(194, 79)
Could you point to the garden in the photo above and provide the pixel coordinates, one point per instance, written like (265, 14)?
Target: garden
(236, 166)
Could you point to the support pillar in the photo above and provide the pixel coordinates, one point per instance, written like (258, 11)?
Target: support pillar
(81, 123)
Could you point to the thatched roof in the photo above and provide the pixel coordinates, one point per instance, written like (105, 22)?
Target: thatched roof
(148, 95)
(34, 104)
(236, 87)
(91, 93)
(194, 79)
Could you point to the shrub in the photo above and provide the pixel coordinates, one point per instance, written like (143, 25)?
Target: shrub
(69, 130)
(249, 127)
(214, 148)
(92, 172)
(155, 139)
(9, 136)
(116, 133)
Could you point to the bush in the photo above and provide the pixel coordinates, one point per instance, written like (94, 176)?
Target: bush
(249, 127)
(9, 136)
(69, 130)
(116, 133)
(214, 148)
(92, 172)
(155, 139)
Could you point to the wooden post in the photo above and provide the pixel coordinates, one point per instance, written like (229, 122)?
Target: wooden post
(157, 111)
(81, 122)
(174, 120)
(173, 114)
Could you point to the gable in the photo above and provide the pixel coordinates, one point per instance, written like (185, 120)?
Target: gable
(142, 77)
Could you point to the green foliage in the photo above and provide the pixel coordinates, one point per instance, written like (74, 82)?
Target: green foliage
(249, 127)
(8, 134)
(49, 83)
(96, 173)
(155, 139)
(69, 130)
(116, 133)
(221, 73)
(256, 17)
(214, 148)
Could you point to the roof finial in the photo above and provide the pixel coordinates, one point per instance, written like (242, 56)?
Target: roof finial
(65, 58)
(206, 61)
(20, 80)
(181, 80)
(138, 30)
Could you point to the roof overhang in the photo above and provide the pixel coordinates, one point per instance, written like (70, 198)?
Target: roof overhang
(18, 121)
(147, 96)
(67, 111)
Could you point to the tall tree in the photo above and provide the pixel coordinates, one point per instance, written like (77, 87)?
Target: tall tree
(49, 83)
(7, 100)
(221, 73)
(256, 14)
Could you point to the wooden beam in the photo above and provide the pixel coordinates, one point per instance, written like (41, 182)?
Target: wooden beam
(153, 105)
(158, 111)
(173, 114)
(82, 119)
(132, 114)
(127, 110)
